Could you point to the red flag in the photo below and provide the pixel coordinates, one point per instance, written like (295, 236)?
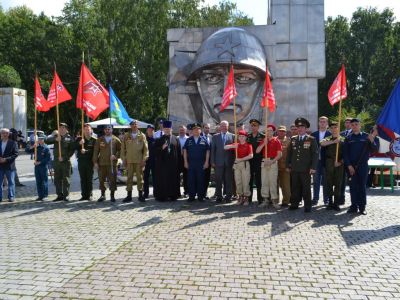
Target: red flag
(338, 89)
(92, 97)
(41, 103)
(61, 94)
(268, 97)
(229, 92)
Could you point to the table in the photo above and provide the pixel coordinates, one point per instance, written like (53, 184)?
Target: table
(383, 163)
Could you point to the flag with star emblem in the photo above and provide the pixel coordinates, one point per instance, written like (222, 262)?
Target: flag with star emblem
(268, 97)
(338, 89)
(92, 97)
(229, 92)
(57, 95)
(41, 103)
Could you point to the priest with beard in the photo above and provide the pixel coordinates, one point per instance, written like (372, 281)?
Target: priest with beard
(167, 151)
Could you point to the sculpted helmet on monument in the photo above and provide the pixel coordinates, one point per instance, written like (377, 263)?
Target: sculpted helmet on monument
(211, 67)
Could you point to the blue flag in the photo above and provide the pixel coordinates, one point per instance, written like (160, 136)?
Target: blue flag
(389, 118)
(117, 110)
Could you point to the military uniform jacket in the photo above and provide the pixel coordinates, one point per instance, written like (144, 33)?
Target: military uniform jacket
(102, 151)
(43, 155)
(282, 161)
(302, 155)
(67, 146)
(330, 150)
(196, 152)
(255, 142)
(88, 146)
(134, 150)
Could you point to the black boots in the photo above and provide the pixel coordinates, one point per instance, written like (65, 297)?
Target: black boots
(102, 197)
(112, 198)
(128, 198)
(141, 197)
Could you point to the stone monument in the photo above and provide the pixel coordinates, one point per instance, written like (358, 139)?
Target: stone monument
(13, 103)
(293, 47)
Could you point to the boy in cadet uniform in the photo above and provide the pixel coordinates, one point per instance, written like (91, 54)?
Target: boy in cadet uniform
(134, 154)
(333, 169)
(41, 168)
(62, 164)
(269, 168)
(85, 162)
(196, 154)
(105, 156)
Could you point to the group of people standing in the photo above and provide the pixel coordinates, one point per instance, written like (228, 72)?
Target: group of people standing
(277, 159)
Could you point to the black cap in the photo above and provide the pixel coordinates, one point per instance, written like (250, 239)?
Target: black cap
(302, 122)
(239, 124)
(150, 126)
(355, 120)
(133, 122)
(108, 126)
(167, 124)
(64, 124)
(254, 121)
(196, 125)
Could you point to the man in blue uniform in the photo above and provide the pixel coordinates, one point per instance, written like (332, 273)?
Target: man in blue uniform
(196, 154)
(357, 147)
(41, 168)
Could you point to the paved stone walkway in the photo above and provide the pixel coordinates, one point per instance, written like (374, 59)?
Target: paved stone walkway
(86, 250)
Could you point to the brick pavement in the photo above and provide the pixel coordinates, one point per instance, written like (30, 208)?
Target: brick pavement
(86, 250)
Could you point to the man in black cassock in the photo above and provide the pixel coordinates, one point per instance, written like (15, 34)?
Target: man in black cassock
(167, 152)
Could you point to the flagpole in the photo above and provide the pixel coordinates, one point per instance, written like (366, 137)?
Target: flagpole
(340, 113)
(57, 113)
(340, 119)
(35, 128)
(234, 118)
(111, 142)
(266, 104)
(83, 115)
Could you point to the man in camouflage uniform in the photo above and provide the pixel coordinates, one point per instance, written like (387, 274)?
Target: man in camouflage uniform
(283, 174)
(134, 154)
(85, 147)
(105, 156)
(62, 165)
(333, 169)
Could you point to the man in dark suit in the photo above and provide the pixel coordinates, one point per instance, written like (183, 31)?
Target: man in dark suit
(222, 162)
(301, 162)
(8, 154)
(319, 176)
(207, 135)
(345, 133)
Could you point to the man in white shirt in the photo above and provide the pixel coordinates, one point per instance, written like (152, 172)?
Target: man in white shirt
(319, 177)
(182, 137)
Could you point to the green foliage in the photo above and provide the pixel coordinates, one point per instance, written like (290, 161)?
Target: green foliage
(9, 77)
(124, 42)
(369, 46)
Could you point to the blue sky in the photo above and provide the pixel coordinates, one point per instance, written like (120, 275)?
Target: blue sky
(257, 9)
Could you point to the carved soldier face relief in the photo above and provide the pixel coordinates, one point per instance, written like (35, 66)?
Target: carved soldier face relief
(211, 83)
(210, 69)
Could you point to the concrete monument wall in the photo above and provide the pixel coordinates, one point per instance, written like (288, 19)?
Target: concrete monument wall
(13, 109)
(295, 50)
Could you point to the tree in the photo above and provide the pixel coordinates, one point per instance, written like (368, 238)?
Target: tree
(369, 46)
(9, 77)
